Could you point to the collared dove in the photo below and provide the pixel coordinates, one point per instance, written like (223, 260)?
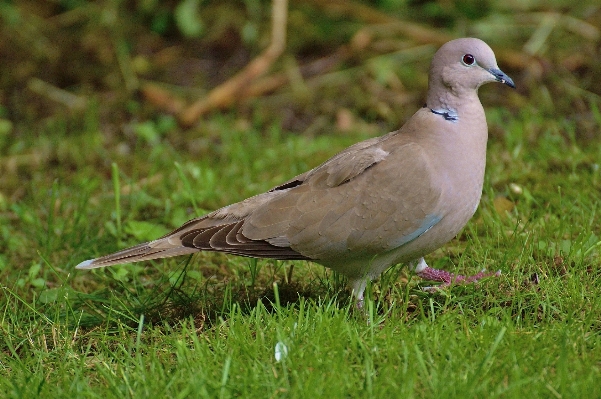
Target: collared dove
(387, 200)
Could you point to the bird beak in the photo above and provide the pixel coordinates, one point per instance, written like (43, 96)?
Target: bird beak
(501, 77)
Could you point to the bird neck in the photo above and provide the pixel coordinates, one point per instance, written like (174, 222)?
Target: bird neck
(452, 103)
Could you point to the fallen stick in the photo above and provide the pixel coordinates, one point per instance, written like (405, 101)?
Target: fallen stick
(228, 92)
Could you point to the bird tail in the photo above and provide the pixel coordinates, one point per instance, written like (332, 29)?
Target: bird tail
(138, 253)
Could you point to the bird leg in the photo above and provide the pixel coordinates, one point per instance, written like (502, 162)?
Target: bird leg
(425, 272)
(358, 287)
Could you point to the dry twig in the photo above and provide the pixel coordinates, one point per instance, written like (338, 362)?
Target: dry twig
(228, 92)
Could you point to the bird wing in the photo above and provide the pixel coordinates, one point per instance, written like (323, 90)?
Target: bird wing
(364, 201)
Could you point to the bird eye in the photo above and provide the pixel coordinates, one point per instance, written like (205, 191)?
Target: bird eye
(469, 59)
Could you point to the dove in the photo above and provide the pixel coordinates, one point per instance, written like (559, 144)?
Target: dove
(383, 201)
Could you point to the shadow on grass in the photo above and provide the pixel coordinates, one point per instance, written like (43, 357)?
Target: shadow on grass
(207, 302)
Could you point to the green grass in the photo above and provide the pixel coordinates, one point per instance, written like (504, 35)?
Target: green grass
(208, 325)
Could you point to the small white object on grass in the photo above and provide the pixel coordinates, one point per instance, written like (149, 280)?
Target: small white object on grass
(281, 351)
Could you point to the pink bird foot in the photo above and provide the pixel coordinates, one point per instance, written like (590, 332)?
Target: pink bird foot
(425, 272)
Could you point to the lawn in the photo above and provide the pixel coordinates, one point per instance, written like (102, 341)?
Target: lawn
(77, 185)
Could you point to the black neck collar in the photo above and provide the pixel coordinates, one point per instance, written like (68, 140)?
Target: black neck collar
(447, 114)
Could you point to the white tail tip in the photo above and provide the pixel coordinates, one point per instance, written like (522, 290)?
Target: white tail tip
(85, 264)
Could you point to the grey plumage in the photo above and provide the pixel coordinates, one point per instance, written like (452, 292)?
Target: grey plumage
(380, 202)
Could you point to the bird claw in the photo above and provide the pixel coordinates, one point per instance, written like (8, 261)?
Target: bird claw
(447, 278)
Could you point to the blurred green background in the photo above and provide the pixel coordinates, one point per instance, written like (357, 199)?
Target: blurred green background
(373, 57)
